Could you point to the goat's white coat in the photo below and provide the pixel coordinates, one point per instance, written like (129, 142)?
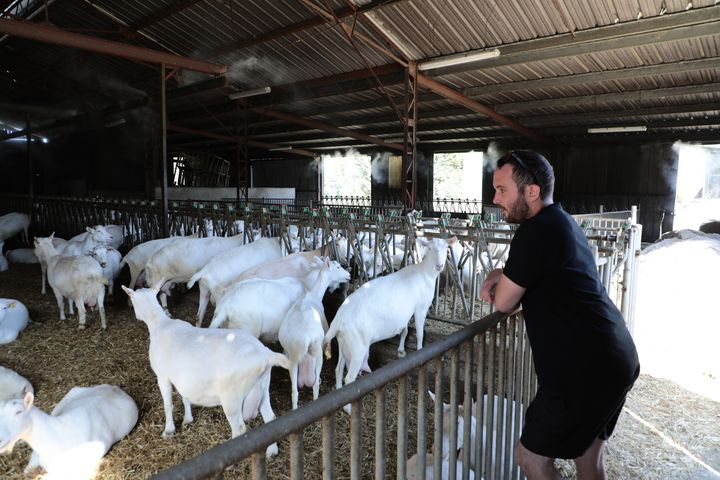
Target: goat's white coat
(115, 233)
(13, 223)
(81, 429)
(94, 237)
(21, 255)
(109, 260)
(208, 367)
(180, 260)
(78, 278)
(258, 306)
(301, 335)
(413, 468)
(14, 317)
(382, 308)
(219, 272)
(138, 256)
(13, 385)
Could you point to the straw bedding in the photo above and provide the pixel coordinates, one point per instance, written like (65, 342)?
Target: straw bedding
(55, 356)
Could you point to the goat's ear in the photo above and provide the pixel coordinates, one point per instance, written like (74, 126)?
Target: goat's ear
(52, 235)
(432, 395)
(28, 400)
(88, 229)
(451, 240)
(129, 291)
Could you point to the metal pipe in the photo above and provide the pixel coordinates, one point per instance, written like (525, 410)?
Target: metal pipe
(438, 413)
(402, 427)
(380, 434)
(47, 34)
(328, 443)
(458, 97)
(296, 456)
(324, 126)
(356, 440)
(421, 418)
(163, 155)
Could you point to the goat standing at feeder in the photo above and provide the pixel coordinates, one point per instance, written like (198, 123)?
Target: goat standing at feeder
(382, 308)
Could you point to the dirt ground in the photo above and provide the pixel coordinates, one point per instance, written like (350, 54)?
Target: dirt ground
(665, 432)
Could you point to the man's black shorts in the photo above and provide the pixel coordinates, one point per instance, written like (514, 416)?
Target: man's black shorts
(565, 425)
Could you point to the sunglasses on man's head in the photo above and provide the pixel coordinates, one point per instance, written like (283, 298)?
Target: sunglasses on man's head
(519, 161)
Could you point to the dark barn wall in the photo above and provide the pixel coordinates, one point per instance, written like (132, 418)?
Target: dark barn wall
(300, 173)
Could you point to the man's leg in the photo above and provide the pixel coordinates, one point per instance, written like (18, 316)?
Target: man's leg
(534, 466)
(590, 464)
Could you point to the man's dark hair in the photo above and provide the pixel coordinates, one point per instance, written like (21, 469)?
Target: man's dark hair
(530, 167)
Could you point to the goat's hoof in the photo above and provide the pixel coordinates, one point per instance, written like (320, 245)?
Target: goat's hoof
(347, 409)
(401, 354)
(81, 327)
(168, 433)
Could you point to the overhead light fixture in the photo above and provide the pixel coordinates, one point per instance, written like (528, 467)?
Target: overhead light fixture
(249, 93)
(631, 128)
(459, 59)
(280, 149)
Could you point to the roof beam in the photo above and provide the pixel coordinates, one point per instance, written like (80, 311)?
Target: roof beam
(459, 98)
(610, 75)
(590, 100)
(238, 139)
(297, 28)
(327, 127)
(44, 33)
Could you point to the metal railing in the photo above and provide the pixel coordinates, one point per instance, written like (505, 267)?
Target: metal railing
(489, 360)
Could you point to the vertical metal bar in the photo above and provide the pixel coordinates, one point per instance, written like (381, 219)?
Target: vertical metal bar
(480, 405)
(296, 456)
(355, 440)
(519, 382)
(402, 427)
(489, 424)
(510, 390)
(380, 433)
(259, 465)
(467, 410)
(328, 444)
(421, 419)
(31, 186)
(163, 153)
(438, 415)
(454, 373)
(499, 428)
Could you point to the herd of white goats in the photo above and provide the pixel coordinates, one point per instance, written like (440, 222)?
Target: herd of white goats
(261, 293)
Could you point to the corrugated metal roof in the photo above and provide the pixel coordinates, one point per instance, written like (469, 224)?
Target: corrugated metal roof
(564, 63)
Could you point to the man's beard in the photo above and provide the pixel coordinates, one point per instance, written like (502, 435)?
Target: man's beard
(518, 212)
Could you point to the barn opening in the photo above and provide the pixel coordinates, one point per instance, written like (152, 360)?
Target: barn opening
(346, 174)
(697, 200)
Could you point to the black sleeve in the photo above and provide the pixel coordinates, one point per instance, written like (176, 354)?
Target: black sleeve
(526, 258)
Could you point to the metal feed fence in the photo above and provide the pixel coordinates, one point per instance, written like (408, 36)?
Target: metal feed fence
(488, 360)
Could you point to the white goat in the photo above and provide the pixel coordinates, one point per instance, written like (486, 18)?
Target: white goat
(59, 244)
(138, 256)
(95, 236)
(14, 317)
(21, 255)
(109, 260)
(301, 335)
(258, 306)
(71, 441)
(115, 232)
(382, 308)
(13, 385)
(77, 278)
(13, 223)
(180, 260)
(225, 266)
(207, 367)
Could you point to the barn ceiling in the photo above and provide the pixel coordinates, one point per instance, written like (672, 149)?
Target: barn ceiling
(336, 70)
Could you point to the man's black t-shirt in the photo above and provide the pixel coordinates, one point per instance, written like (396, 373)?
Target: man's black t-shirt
(578, 336)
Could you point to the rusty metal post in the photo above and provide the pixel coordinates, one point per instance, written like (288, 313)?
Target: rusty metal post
(163, 155)
(409, 167)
